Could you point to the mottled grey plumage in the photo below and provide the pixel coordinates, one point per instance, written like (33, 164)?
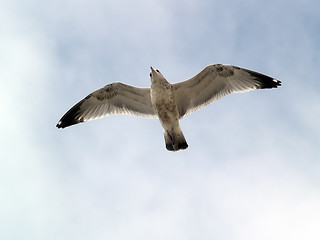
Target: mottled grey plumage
(168, 102)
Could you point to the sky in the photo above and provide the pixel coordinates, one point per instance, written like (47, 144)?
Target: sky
(252, 167)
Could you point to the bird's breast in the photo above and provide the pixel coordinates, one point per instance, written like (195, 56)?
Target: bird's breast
(163, 101)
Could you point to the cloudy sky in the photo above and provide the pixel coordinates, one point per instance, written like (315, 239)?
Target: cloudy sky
(252, 169)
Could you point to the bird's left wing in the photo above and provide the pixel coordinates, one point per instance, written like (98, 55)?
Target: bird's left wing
(115, 98)
(216, 81)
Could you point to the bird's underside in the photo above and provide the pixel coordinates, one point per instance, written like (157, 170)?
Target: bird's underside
(212, 83)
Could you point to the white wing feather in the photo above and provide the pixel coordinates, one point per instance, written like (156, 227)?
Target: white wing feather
(214, 82)
(115, 98)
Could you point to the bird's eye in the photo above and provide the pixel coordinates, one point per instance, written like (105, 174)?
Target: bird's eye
(150, 75)
(157, 70)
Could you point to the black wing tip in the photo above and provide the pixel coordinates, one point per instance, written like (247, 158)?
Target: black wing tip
(64, 124)
(271, 83)
(67, 122)
(71, 117)
(59, 124)
(265, 81)
(278, 83)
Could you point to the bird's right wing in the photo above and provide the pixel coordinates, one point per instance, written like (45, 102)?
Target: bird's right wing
(115, 98)
(216, 81)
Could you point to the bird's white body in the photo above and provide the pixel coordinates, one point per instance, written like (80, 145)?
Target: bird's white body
(168, 102)
(163, 101)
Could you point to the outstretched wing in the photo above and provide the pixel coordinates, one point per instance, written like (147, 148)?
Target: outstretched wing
(115, 98)
(216, 81)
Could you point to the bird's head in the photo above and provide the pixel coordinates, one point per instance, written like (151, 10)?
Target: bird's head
(155, 75)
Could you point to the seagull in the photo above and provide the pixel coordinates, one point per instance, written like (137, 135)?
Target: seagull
(165, 101)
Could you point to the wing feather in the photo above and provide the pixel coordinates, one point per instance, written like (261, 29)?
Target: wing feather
(216, 81)
(115, 98)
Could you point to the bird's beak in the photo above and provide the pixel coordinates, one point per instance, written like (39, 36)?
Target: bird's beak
(152, 69)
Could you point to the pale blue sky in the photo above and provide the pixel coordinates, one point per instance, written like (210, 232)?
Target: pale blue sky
(252, 167)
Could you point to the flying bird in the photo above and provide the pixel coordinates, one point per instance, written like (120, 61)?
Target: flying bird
(165, 101)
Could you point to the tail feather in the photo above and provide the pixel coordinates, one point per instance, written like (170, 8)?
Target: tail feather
(175, 141)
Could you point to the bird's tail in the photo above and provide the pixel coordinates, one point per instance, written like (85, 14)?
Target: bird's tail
(175, 140)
